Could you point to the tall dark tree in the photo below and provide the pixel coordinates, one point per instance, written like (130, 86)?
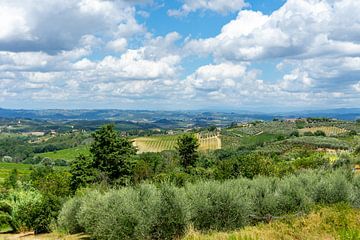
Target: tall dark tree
(110, 152)
(187, 146)
(82, 172)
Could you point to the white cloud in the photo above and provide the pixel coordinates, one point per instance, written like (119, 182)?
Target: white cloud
(118, 45)
(357, 87)
(60, 24)
(299, 29)
(220, 6)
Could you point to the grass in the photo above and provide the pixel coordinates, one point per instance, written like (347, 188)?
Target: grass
(66, 154)
(332, 222)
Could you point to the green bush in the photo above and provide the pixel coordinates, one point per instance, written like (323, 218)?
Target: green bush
(68, 217)
(291, 196)
(262, 197)
(27, 210)
(332, 188)
(171, 221)
(355, 196)
(217, 206)
(131, 213)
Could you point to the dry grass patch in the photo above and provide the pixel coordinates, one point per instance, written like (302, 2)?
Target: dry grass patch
(331, 223)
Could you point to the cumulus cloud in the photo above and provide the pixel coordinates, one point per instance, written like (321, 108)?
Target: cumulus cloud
(299, 29)
(220, 6)
(51, 26)
(317, 43)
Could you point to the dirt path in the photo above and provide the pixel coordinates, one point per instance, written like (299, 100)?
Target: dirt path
(48, 236)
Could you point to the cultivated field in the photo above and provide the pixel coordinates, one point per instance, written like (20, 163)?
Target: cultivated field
(328, 130)
(7, 168)
(208, 141)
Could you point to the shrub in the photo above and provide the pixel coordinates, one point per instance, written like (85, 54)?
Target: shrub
(355, 196)
(319, 133)
(91, 211)
(171, 221)
(262, 197)
(217, 206)
(129, 213)
(291, 196)
(68, 217)
(26, 206)
(295, 134)
(332, 188)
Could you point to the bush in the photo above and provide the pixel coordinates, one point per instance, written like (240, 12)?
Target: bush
(355, 196)
(291, 196)
(319, 133)
(129, 213)
(332, 188)
(262, 197)
(171, 221)
(91, 211)
(68, 217)
(217, 206)
(26, 206)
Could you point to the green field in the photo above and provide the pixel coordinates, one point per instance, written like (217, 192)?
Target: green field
(66, 154)
(6, 168)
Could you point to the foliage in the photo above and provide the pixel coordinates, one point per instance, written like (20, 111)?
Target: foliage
(82, 172)
(187, 146)
(216, 206)
(110, 152)
(147, 212)
(67, 219)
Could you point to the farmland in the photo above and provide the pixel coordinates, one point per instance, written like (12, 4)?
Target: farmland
(328, 130)
(207, 141)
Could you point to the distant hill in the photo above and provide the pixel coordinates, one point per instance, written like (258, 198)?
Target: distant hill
(172, 117)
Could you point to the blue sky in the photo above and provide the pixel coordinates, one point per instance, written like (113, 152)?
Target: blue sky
(270, 55)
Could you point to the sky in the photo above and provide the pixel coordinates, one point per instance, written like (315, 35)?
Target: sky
(270, 55)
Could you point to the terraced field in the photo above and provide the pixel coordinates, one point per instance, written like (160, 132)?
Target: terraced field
(6, 168)
(208, 141)
(328, 130)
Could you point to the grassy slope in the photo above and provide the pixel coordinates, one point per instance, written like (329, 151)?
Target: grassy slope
(335, 222)
(23, 169)
(66, 154)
